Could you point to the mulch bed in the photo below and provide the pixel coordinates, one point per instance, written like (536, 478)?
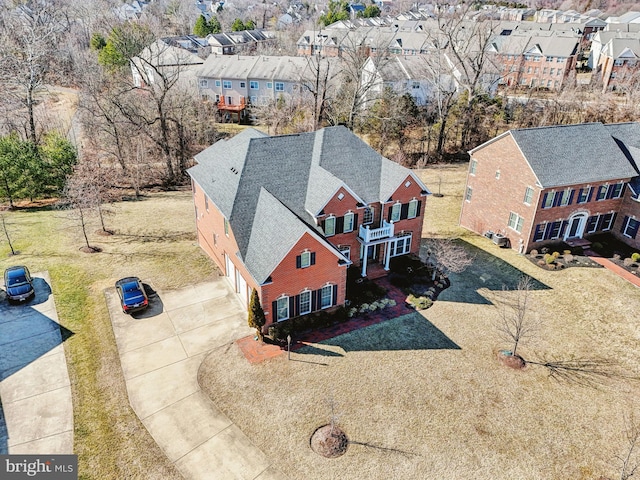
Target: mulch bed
(329, 441)
(562, 261)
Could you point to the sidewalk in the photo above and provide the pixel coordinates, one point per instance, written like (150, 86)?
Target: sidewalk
(609, 265)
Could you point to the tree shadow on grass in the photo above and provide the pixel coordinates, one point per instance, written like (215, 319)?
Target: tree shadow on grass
(408, 332)
(486, 271)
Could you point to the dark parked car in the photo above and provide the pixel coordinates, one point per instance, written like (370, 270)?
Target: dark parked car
(18, 283)
(132, 295)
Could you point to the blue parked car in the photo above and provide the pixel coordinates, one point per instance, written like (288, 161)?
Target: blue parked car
(133, 297)
(18, 283)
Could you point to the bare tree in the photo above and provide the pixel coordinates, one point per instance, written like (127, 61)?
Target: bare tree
(629, 460)
(29, 30)
(6, 234)
(515, 323)
(444, 255)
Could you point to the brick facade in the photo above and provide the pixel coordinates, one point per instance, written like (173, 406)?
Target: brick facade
(501, 189)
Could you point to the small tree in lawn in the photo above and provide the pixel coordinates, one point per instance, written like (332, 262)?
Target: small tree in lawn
(445, 255)
(515, 323)
(6, 234)
(256, 314)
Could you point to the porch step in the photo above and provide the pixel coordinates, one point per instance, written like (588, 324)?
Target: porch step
(578, 242)
(376, 271)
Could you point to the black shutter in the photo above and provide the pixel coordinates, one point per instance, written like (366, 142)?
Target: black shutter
(319, 298)
(404, 211)
(335, 295)
(556, 198)
(299, 261)
(314, 303)
(296, 305)
(322, 225)
(590, 194)
(600, 222)
(274, 310)
(389, 213)
(418, 208)
(292, 306)
(571, 197)
(634, 229)
(547, 232)
(355, 221)
(339, 225)
(544, 200)
(610, 189)
(313, 258)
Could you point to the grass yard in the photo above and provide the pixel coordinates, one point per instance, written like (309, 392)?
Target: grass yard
(155, 240)
(424, 397)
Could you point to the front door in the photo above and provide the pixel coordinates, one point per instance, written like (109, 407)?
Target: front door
(576, 227)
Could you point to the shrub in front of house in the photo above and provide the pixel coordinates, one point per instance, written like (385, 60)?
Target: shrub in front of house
(324, 318)
(419, 303)
(635, 256)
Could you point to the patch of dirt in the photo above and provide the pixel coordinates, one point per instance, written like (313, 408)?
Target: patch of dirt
(512, 361)
(329, 441)
(104, 233)
(86, 249)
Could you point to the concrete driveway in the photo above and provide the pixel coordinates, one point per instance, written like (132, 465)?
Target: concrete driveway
(36, 414)
(161, 350)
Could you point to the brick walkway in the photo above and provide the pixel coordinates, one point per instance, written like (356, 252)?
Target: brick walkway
(257, 352)
(609, 265)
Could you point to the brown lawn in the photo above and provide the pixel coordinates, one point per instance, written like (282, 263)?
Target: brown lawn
(423, 396)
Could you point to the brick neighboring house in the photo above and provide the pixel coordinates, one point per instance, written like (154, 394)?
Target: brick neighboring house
(542, 185)
(286, 215)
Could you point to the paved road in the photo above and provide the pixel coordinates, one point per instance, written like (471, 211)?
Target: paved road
(161, 351)
(36, 415)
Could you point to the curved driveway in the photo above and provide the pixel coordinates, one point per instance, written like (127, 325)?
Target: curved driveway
(161, 350)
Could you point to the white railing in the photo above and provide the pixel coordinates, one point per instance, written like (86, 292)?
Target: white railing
(371, 234)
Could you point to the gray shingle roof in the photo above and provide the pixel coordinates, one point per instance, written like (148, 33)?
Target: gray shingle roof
(269, 188)
(572, 154)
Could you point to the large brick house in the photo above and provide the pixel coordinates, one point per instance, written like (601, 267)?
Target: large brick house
(286, 215)
(537, 186)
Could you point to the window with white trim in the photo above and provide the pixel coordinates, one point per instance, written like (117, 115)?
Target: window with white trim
(348, 222)
(269, 85)
(412, 211)
(226, 227)
(583, 194)
(367, 217)
(528, 195)
(515, 222)
(305, 259)
(565, 197)
(607, 221)
(615, 190)
(473, 166)
(602, 192)
(330, 226)
(326, 296)
(548, 200)
(305, 302)
(243, 84)
(217, 83)
(226, 84)
(468, 194)
(253, 85)
(395, 212)
(206, 203)
(282, 309)
(346, 251)
(279, 87)
(401, 246)
(204, 83)
(497, 174)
